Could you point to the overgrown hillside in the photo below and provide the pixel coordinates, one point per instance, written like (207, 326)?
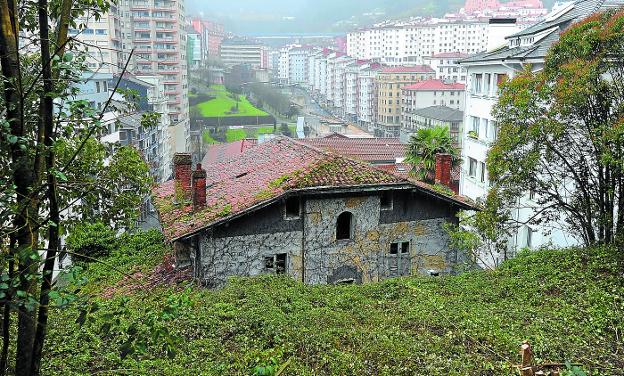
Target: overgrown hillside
(568, 303)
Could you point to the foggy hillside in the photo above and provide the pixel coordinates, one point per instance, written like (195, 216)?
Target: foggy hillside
(276, 16)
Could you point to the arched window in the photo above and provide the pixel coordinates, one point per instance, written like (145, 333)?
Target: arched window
(344, 226)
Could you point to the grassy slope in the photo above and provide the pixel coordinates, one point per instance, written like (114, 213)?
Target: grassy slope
(223, 104)
(568, 304)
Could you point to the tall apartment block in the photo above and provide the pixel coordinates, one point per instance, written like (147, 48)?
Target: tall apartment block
(155, 29)
(243, 51)
(150, 36)
(211, 35)
(101, 40)
(390, 82)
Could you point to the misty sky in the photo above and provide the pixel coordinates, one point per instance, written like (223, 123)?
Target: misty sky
(276, 16)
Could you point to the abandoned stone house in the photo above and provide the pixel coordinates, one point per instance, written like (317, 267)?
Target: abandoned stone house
(289, 208)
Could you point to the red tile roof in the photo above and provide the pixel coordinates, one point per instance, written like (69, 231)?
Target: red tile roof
(414, 69)
(262, 174)
(221, 152)
(364, 149)
(435, 85)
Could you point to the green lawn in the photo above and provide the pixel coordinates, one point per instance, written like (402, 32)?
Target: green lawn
(222, 104)
(567, 303)
(236, 134)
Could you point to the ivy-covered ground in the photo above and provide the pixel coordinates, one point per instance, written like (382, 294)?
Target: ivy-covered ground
(568, 303)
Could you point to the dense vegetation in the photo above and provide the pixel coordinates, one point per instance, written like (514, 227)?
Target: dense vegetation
(568, 303)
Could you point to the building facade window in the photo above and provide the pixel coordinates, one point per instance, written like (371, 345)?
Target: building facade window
(472, 167)
(292, 208)
(344, 226)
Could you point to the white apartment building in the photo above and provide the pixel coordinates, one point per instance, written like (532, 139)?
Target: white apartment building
(351, 72)
(447, 67)
(367, 96)
(101, 40)
(429, 93)
(485, 72)
(283, 65)
(400, 43)
(340, 89)
(294, 64)
(241, 51)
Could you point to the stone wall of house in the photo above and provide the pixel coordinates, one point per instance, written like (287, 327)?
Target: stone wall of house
(246, 255)
(366, 256)
(316, 257)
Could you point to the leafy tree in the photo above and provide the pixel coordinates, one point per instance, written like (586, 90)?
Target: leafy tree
(285, 130)
(424, 145)
(90, 240)
(97, 191)
(39, 180)
(561, 135)
(293, 111)
(483, 235)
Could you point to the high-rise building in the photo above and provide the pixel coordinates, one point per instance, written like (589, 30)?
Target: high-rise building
(101, 40)
(211, 35)
(244, 52)
(485, 72)
(150, 36)
(407, 42)
(390, 82)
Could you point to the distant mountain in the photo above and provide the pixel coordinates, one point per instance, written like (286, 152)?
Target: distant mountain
(288, 16)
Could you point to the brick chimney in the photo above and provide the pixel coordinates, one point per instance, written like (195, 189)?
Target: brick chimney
(182, 171)
(443, 168)
(199, 187)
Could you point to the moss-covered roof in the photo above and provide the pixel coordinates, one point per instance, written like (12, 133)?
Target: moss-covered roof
(259, 175)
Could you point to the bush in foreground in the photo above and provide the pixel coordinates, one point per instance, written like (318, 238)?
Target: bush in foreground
(90, 241)
(568, 303)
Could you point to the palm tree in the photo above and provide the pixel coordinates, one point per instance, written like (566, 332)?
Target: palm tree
(424, 145)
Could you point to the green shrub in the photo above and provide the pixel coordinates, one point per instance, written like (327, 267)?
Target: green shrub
(89, 241)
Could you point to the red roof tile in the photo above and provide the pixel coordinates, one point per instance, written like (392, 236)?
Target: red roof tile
(365, 149)
(221, 152)
(260, 175)
(414, 69)
(435, 85)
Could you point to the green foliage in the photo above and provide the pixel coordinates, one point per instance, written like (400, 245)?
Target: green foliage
(226, 105)
(272, 97)
(424, 145)
(285, 130)
(566, 303)
(90, 240)
(561, 133)
(108, 193)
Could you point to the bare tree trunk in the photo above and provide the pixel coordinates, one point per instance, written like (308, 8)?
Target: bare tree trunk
(6, 321)
(23, 177)
(46, 104)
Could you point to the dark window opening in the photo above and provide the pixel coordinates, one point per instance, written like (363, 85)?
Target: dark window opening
(293, 207)
(404, 247)
(276, 263)
(394, 248)
(280, 263)
(386, 201)
(343, 226)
